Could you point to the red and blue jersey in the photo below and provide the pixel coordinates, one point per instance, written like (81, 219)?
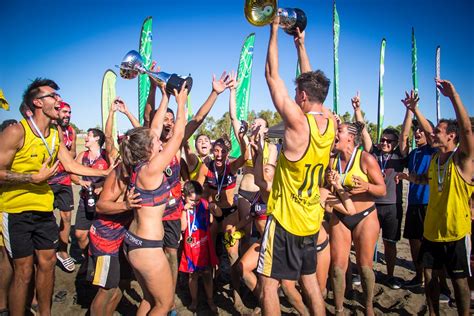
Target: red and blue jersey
(156, 197)
(61, 176)
(227, 183)
(198, 252)
(175, 204)
(107, 232)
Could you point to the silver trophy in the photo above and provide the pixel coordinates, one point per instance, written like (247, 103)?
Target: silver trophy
(132, 65)
(291, 18)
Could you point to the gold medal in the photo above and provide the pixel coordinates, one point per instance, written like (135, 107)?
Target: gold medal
(217, 197)
(168, 171)
(440, 187)
(189, 240)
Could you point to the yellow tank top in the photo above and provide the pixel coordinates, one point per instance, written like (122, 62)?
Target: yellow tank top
(266, 156)
(354, 170)
(193, 175)
(448, 216)
(18, 198)
(294, 199)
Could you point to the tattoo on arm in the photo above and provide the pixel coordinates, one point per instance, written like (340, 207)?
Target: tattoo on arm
(17, 178)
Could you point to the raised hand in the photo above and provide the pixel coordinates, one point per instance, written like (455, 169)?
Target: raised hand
(220, 85)
(445, 87)
(244, 126)
(411, 100)
(355, 101)
(232, 82)
(401, 176)
(120, 105)
(299, 37)
(181, 96)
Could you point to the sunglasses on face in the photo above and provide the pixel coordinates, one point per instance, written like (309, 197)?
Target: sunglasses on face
(53, 95)
(386, 140)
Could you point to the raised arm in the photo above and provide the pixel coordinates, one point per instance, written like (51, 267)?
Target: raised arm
(218, 86)
(411, 102)
(292, 115)
(366, 140)
(406, 126)
(232, 103)
(161, 160)
(110, 148)
(239, 162)
(466, 139)
(150, 101)
(11, 140)
(303, 58)
(122, 107)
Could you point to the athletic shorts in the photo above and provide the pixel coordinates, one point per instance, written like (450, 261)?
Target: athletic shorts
(172, 233)
(84, 219)
(106, 271)
(390, 219)
(284, 255)
(63, 197)
(29, 231)
(414, 221)
(453, 255)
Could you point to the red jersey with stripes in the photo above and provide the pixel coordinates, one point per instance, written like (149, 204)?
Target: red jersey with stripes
(61, 176)
(107, 232)
(175, 204)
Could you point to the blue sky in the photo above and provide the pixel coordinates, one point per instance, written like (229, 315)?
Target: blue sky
(73, 42)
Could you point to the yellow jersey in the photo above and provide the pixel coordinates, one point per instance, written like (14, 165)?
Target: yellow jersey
(266, 156)
(193, 175)
(29, 158)
(448, 216)
(355, 169)
(294, 199)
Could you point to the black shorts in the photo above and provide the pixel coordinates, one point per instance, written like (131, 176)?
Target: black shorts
(453, 255)
(63, 197)
(107, 271)
(25, 232)
(172, 233)
(390, 219)
(414, 221)
(84, 219)
(284, 255)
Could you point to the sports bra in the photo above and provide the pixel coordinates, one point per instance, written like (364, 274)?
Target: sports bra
(228, 183)
(156, 197)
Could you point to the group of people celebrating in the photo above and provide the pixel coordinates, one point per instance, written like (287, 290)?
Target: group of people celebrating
(152, 197)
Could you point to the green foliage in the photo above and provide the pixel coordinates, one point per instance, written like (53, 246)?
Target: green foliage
(76, 129)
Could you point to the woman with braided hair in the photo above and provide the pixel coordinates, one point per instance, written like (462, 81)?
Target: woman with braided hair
(362, 180)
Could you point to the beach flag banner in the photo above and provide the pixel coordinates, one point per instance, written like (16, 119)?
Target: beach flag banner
(143, 80)
(414, 71)
(244, 77)
(438, 74)
(189, 115)
(298, 69)
(336, 28)
(108, 95)
(3, 102)
(381, 104)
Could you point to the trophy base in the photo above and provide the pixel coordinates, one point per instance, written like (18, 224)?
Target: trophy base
(176, 82)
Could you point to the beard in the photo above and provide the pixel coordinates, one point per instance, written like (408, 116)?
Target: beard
(63, 122)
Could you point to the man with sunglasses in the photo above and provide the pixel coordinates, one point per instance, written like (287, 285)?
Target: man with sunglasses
(30, 151)
(391, 154)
